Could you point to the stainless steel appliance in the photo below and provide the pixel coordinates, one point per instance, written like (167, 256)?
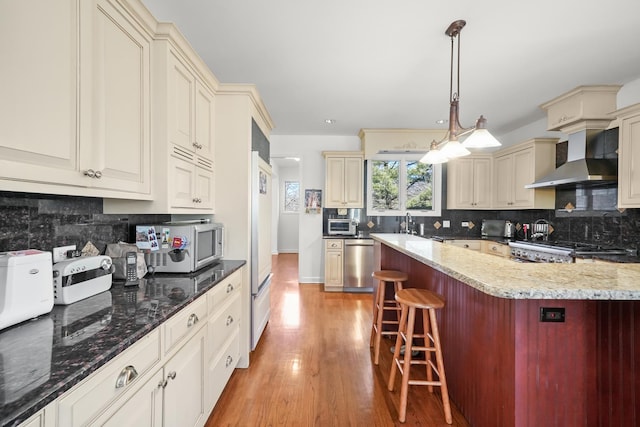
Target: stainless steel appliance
(509, 230)
(358, 265)
(181, 247)
(26, 289)
(260, 246)
(559, 252)
(492, 228)
(341, 227)
(79, 278)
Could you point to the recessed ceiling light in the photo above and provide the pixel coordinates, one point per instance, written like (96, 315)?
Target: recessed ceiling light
(441, 121)
(329, 121)
(297, 159)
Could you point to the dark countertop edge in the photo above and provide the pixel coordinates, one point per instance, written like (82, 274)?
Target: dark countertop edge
(52, 393)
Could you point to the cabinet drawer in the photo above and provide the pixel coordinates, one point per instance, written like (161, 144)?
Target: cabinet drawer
(95, 393)
(333, 244)
(223, 324)
(187, 320)
(221, 367)
(223, 291)
(496, 249)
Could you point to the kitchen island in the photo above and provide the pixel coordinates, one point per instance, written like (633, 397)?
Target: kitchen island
(507, 367)
(47, 358)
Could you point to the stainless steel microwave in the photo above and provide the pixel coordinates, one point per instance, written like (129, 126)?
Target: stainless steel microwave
(180, 247)
(341, 227)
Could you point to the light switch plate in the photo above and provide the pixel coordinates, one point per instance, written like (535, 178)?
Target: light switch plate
(446, 223)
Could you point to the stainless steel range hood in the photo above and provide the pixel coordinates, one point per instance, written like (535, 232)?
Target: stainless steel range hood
(581, 166)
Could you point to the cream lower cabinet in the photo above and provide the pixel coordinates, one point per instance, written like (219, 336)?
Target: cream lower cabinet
(629, 157)
(333, 265)
(223, 351)
(469, 183)
(517, 166)
(344, 180)
(75, 113)
(493, 248)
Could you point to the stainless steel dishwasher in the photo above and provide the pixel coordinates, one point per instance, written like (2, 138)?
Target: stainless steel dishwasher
(358, 265)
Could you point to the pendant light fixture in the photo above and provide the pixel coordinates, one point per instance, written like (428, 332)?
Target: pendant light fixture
(450, 147)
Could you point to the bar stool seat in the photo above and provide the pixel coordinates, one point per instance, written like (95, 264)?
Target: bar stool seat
(411, 300)
(383, 303)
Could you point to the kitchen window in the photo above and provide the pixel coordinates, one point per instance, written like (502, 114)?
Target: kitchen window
(400, 184)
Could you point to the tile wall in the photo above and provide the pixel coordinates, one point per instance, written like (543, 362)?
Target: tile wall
(37, 221)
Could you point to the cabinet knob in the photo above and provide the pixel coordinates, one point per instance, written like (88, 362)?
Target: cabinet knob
(229, 320)
(98, 175)
(93, 174)
(230, 288)
(172, 375)
(127, 375)
(193, 319)
(228, 362)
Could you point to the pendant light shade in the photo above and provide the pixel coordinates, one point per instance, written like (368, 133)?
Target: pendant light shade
(479, 137)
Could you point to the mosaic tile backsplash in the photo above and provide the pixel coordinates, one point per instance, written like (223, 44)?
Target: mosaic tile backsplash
(36, 221)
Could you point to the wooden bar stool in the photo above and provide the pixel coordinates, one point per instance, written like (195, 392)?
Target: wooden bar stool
(410, 300)
(381, 304)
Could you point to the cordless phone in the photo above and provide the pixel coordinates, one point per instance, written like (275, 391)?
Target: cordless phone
(131, 268)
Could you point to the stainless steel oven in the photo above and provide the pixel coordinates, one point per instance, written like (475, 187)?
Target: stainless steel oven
(341, 227)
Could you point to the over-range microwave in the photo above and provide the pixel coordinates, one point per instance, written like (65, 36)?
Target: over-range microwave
(180, 247)
(341, 227)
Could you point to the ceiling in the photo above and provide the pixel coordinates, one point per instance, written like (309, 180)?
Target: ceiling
(386, 64)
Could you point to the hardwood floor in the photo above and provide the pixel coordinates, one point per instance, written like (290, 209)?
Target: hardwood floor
(313, 366)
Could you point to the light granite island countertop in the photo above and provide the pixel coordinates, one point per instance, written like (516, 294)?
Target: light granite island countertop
(505, 278)
(508, 363)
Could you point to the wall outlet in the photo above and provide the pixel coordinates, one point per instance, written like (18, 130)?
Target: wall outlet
(60, 253)
(465, 224)
(446, 223)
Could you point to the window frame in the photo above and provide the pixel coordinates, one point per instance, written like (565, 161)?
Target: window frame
(403, 159)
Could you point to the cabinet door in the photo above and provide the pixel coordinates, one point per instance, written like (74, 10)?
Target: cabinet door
(204, 121)
(503, 181)
(353, 182)
(184, 392)
(180, 102)
(38, 87)
(334, 197)
(629, 183)
(523, 174)
(482, 183)
(204, 188)
(461, 184)
(141, 409)
(333, 272)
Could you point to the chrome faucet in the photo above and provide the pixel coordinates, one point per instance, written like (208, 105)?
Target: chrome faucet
(407, 224)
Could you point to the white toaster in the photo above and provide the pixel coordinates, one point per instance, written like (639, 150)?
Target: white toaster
(26, 289)
(79, 278)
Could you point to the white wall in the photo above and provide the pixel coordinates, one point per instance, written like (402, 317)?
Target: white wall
(288, 222)
(309, 148)
(275, 202)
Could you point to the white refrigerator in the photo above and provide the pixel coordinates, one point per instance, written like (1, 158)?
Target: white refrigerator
(260, 246)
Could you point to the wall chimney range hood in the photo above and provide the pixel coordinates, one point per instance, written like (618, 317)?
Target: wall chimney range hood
(582, 166)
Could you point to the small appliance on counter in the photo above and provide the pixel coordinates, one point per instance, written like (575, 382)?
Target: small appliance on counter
(493, 228)
(26, 290)
(79, 278)
(341, 227)
(180, 247)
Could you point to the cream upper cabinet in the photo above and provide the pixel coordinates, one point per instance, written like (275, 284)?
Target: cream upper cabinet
(584, 103)
(344, 180)
(517, 166)
(629, 157)
(183, 125)
(83, 125)
(469, 183)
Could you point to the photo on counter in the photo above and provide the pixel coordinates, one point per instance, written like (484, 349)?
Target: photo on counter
(313, 201)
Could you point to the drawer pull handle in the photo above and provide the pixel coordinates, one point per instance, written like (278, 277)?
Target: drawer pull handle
(172, 375)
(229, 320)
(466, 246)
(230, 288)
(228, 362)
(193, 319)
(127, 375)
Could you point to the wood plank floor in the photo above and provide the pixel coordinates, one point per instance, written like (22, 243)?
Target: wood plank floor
(313, 366)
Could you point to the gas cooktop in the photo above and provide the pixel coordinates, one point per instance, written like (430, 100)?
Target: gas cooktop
(560, 251)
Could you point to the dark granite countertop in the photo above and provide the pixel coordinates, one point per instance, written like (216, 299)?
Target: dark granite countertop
(42, 358)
